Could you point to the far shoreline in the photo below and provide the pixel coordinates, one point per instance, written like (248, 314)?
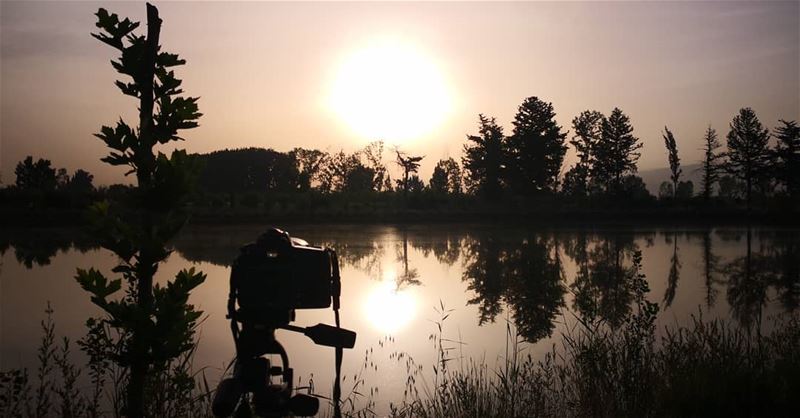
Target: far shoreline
(559, 217)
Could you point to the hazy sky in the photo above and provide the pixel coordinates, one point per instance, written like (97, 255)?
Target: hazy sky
(265, 71)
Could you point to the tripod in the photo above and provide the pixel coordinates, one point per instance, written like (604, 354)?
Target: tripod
(253, 373)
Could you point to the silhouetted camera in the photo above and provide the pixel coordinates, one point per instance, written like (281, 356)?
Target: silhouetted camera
(269, 280)
(282, 272)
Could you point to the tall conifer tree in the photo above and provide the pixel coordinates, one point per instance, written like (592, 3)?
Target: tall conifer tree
(536, 148)
(748, 151)
(674, 160)
(787, 157)
(483, 159)
(711, 164)
(616, 153)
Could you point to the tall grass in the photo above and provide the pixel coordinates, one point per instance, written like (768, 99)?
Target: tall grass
(61, 388)
(710, 368)
(706, 368)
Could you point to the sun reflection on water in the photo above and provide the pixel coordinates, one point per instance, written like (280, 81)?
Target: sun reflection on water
(388, 308)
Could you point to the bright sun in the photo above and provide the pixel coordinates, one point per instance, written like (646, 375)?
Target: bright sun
(390, 91)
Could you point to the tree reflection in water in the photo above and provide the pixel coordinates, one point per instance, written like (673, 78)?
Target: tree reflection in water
(674, 270)
(603, 286)
(409, 276)
(505, 267)
(484, 275)
(535, 281)
(786, 253)
(748, 278)
(771, 262)
(445, 245)
(710, 269)
(523, 270)
(38, 247)
(524, 274)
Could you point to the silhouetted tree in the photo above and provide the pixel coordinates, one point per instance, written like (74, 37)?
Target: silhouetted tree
(685, 190)
(588, 132)
(535, 150)
(415, 184)
(62, 178)
(634, 188)
(575, 183)
(373, 154)
(359, 179)
(333, 177)
(729, 187)
(711, 163)
(446, 177)
(309, 164)
(616, 153)
(787, 157)
(80, 189)
(249, 170)
(81, 182)
(281, 172)
(438, 181)
(483, 159)
(409, 165)
(748, 152)
(674, 160)
(362, 171)
(38, 176)
(155, 324)
(588, 127)
(666, 190)
(388, 184)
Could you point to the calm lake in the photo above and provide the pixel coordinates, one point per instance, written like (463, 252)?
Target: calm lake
(399, 283)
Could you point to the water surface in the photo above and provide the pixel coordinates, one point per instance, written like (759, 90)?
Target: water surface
(401, 283)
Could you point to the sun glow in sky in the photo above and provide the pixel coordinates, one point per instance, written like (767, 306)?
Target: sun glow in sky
(387, 308)
(336, 75)
(390, 90)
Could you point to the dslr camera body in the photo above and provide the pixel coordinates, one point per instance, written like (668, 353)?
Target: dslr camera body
(269, 280)
(282, 273)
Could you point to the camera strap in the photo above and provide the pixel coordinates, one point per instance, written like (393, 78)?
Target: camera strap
(336, 292)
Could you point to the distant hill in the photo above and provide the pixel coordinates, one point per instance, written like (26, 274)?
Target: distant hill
(653, 178)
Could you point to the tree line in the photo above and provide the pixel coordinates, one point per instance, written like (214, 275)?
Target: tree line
(530, 162)
(40, 184)
(748, 167)
(754, 163)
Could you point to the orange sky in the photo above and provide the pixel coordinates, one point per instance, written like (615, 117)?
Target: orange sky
(264, 70)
